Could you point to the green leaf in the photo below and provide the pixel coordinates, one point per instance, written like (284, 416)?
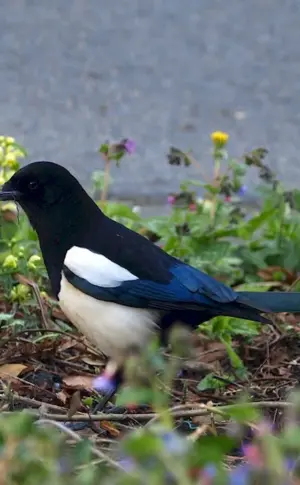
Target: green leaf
(5, 317)
(211, 449)
(116, 210)
(296, 198)
(104, 148)
(142, 444)
(256, 222)
(212, 189)
(235, 360)
(246, 328)
(210, 382)
(291, 438)
(243, 412)
(129, 395)
(260, 286)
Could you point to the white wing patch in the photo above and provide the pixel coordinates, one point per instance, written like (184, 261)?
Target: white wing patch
(96, 268)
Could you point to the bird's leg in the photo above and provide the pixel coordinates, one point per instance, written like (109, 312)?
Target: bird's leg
(102, 403)
(107, 383)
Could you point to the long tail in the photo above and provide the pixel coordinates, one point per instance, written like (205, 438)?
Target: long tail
(272, 301)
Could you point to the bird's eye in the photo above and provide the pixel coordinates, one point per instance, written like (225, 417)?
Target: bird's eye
(33, 185)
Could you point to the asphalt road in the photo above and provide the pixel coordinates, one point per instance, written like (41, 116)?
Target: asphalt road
(74, 73)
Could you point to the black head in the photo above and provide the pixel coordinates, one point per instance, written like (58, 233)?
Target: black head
(45, 189)
(57, 206)
(41, 184)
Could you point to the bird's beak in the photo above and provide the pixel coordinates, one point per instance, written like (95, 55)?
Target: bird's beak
(9, 195)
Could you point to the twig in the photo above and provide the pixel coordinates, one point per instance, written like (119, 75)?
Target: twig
(293, 284)
(200, 431)
(31, 402)
(25, 281)
(74, 365)
(78, 438)
(202, 410)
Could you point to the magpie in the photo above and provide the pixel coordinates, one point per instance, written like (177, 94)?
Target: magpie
(113, 284)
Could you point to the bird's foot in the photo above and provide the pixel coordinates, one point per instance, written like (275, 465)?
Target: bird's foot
(107, 384)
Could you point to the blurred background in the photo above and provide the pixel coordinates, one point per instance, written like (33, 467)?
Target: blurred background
(76, 73)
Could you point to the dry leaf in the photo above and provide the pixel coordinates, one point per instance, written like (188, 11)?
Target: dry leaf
(75, 404)
(214, 351)
(58, 313)
(110, 428)
(96, 362)
(267, 274)
(67, 343)
(91, 348)
(78, 382)
(9, 371)
(62, 396)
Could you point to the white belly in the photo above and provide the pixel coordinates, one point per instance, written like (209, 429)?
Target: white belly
(113, 329)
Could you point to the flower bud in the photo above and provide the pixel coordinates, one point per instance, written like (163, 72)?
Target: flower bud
(219, 139)
(10, 262)
(9, 140)
(33, 262)
(20, 293)
(23, 291)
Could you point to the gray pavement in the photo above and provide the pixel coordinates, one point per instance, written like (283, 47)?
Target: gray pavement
(75, 72)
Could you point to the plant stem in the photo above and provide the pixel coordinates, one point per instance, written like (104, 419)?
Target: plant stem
(104, 192)
(217, 169)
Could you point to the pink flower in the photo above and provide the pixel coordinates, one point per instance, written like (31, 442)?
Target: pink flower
(193, 207)
(227, 198)
(171, 199)
(253, 455)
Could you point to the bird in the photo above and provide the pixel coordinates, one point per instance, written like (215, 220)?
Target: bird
(115, 285)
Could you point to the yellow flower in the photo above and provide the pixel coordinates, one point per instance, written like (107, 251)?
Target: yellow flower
(11, 162)
(219, 138)
(10, 262)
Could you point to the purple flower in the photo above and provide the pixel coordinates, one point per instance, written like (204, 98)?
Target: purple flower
(129, 146)
(174, 443)
(209, 471)
(240, 475)
(290, 464)
(242, 190)
(127, 464)
(104, 383)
